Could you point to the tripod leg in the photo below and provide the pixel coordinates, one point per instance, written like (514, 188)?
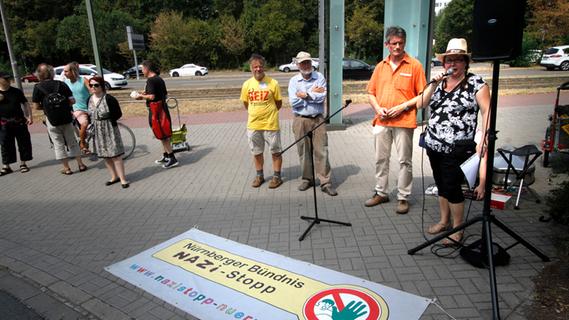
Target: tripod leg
(519, 239)
(517, 206)
(444, 235)
(314, 221)
(487, 235)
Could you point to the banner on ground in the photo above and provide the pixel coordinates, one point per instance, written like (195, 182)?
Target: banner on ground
(214, 278)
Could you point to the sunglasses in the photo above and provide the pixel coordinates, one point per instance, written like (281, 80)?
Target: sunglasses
(94, 85)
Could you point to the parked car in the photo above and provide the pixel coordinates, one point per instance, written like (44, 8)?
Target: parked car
(293, 67)
(556, 57)
(356, 69)
(188, 70)
(112, 80)
(29, 78)
(436, 63)
(130, 73)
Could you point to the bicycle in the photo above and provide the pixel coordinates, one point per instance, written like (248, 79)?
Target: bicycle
(127, 135)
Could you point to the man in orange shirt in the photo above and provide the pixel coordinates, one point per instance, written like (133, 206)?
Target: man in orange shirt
(393, 91)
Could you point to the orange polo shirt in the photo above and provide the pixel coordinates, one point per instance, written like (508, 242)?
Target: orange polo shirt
(393, 87)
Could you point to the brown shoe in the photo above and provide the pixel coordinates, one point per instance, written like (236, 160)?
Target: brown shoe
(258, 181)
(305, 185)
(375, 200)
(275, 182)
(329, 190)
(402, 207)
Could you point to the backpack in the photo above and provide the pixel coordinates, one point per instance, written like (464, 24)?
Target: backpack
(56, 107)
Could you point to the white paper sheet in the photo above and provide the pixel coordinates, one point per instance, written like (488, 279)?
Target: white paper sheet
(470, 169)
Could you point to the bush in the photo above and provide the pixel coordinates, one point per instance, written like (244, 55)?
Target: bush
(558, 203)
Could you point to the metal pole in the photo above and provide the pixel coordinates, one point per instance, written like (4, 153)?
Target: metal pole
(93, 37)
(13, 61)
(135, 64)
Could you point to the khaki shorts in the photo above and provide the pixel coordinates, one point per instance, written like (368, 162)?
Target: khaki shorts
(257, 140)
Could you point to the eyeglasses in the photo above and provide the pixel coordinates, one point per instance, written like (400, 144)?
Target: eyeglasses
(94, 85)
(451, 60)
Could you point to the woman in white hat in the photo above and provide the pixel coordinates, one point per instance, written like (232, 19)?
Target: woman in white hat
(454, 99)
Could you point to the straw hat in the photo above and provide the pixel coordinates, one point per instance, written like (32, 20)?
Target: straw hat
(455, 46)
(302, 56)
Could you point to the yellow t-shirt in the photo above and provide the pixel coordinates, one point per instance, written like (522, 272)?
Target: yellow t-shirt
(261, 97)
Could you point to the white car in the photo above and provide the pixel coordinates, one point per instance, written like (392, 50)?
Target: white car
(556, 57)
(112, 80)
(293, 67)
(188, 70)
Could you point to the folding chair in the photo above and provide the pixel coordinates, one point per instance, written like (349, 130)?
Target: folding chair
(528, 154)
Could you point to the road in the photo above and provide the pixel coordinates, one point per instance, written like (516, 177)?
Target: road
(234, 79)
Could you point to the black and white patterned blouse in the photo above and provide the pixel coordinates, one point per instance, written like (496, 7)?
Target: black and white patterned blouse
(455, 118)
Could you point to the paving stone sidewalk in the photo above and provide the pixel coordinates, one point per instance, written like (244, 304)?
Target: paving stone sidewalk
(58, 232)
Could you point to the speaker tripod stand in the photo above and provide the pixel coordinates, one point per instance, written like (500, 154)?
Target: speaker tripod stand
(487, 218)
(309, 135)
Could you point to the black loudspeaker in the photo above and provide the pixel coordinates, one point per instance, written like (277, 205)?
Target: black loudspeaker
(497, 29)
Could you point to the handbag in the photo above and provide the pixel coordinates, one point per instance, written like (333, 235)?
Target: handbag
(422, 139)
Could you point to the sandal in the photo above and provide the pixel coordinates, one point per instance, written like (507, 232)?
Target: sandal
(24, 168)
(454, 239)
(438, 228)
(6, 170)
(66, 171)
(82, 168)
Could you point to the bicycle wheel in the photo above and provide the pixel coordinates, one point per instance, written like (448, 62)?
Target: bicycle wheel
(128, 140)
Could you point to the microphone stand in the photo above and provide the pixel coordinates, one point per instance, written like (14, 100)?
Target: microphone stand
(309, 134)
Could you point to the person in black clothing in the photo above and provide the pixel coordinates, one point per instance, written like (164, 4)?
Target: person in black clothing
(15, 116)
(155, 94)
(61, 135)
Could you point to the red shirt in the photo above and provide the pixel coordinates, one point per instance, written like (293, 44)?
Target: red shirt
(393, 87)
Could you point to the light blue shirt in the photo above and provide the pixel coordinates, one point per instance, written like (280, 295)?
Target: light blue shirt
(314, 103)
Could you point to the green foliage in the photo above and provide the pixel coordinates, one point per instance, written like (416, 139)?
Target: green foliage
(275, 33)
(363, 33)
(526, 57)
(549, 22)
(73, 35)
(176, 41)
(214, 33)
(454, 21)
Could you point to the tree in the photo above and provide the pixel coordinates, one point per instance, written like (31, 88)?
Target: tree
(277, 33)
(362, 33)
(549, 21)
(232, 38)
(169, 39)
(454, 21)
(73, 35)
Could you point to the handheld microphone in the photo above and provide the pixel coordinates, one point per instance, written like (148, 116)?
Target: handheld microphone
(448, 73)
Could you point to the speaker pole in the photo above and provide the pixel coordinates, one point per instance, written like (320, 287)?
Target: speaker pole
(487, 248)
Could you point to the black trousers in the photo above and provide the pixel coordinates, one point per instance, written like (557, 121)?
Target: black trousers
(9, 135)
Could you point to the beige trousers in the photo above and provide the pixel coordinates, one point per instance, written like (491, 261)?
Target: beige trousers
(402, 138)
(300, 126)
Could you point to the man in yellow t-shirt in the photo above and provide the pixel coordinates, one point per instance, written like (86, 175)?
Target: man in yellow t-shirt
(261, 96)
